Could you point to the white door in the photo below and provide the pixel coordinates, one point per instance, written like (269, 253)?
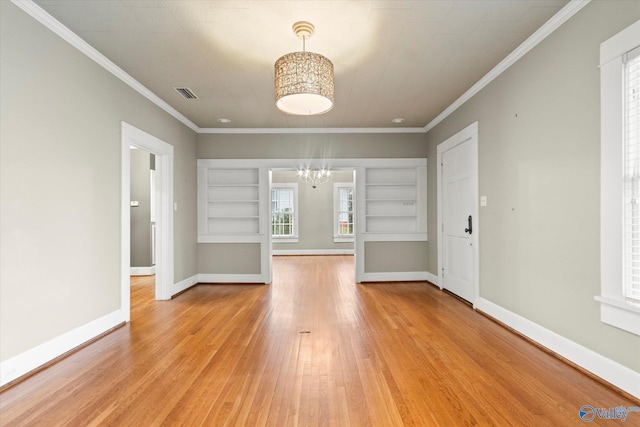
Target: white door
(458, 216)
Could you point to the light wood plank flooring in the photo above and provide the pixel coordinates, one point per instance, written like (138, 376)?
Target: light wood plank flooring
(312, 349)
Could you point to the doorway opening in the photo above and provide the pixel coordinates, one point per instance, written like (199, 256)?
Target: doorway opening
(312, 218)
(163, 211)
(142, 212)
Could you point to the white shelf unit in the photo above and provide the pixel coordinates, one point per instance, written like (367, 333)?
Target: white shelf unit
(395, 200)
(229, 201)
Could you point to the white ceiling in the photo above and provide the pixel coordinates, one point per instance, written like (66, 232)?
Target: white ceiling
(395, 58)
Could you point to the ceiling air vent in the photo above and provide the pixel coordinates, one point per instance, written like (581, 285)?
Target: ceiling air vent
(185, 92)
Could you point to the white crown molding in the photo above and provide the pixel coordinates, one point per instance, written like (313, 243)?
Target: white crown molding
(310, 130)
(74, 40)
(563, 15)
(65, 33)
(333, 164)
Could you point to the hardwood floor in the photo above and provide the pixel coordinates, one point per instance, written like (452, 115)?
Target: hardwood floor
(312, 349)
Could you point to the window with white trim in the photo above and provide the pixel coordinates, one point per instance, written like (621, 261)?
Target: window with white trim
(343, 214)
(284, 212)
(631, 117)
(620, 180)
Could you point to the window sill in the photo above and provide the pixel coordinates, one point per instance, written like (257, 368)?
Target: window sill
(621, 314)
(284, 239)
(343, 239)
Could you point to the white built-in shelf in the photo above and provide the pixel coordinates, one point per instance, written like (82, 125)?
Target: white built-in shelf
(392, 198)
(230, 204)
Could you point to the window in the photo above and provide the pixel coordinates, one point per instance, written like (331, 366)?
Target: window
(284, 212)
(343, 212)
(620, 180)
(631, 117)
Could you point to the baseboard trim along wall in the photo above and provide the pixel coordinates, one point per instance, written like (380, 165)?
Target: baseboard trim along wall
(185, 284)
(398, 276)
(25, 363)
(434, 279)
(312, 252)
(30, 360)
(143, 271)
(614, 373)
(231, 278)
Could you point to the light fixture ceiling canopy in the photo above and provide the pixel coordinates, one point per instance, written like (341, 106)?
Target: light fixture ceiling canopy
(304, 80)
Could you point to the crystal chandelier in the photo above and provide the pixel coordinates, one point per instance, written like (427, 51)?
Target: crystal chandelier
(314, 177)
(304, 80)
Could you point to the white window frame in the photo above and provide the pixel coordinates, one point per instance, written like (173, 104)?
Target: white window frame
(615, 309)
(337, 237)
(296, 225)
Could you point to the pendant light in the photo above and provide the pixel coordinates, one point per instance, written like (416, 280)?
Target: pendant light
(304, 80)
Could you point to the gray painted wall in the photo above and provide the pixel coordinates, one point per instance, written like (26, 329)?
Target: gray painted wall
(60, 184)
(539, 166)
(315, 212)
(381, 257)
(229, 258)
(311, 146)
(141, 215)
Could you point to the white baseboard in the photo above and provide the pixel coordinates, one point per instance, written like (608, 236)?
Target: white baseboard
(25, 362)
(312, 252)
(231, 278)
(184, 284)
(143, 271)
(620, 376)
(434, 279)
(399, 276)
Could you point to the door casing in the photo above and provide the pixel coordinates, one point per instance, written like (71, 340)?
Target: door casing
(468, 134)
(132, 136)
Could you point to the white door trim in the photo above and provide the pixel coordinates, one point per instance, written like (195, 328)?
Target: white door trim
(470, 133)
(132, 136)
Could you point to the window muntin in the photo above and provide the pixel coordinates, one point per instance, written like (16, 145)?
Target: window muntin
(345, 211)
(283, 212)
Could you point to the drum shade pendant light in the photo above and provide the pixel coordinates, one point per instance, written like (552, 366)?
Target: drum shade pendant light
(304, 80)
